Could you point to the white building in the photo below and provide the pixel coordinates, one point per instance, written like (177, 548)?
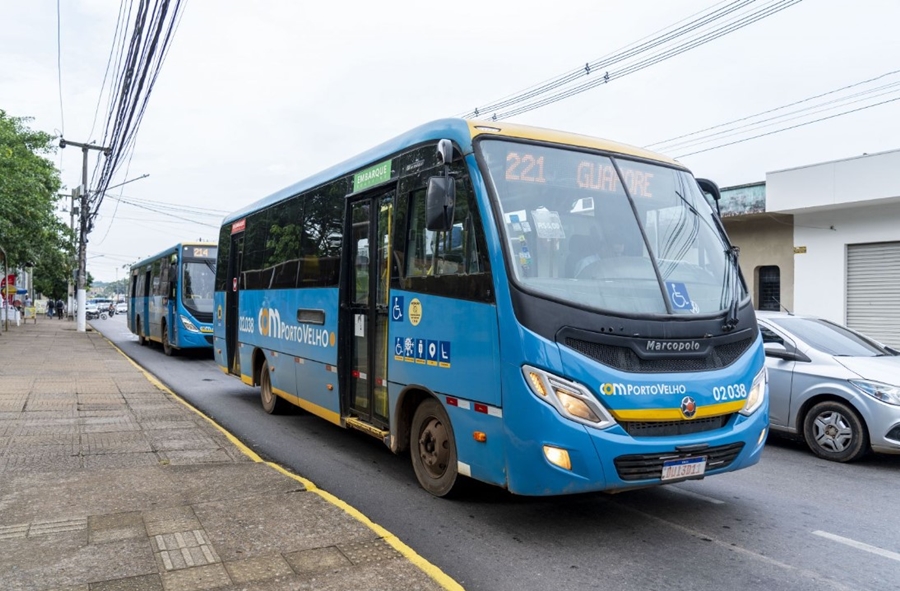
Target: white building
(830, 232)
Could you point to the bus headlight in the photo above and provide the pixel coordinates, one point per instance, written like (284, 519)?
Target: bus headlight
(757, 393)
(188, 325)
(571, 399)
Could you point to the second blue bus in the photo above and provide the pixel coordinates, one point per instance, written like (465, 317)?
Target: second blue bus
(170, 297)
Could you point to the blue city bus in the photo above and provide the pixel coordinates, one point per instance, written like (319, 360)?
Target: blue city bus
(543, 311)
(170, 297)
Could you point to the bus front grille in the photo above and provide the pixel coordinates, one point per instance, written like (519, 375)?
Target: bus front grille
(666, 428)
(623, 358)
(648, 466)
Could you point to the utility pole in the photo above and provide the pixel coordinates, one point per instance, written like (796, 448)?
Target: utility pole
(81, 280)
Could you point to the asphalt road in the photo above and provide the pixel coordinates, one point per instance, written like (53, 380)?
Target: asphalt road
(791, 522)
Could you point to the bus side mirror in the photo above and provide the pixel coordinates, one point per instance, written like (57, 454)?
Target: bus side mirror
(440, 199)
(711, 189)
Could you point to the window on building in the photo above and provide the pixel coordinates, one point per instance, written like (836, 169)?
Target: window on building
(768, 288)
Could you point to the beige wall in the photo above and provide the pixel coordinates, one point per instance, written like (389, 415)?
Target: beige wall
(765, 239)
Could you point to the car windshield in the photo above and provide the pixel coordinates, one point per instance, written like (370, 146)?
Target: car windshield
(199, 281)
(612, 234)
(830, 338)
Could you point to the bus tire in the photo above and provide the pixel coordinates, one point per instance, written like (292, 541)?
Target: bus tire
(168, 349)
(271, 402)
(433, 448)
(833, 431)
(140, 332)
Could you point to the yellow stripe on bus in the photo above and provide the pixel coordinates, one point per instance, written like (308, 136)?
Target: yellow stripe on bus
(319, 411)
(674, 414)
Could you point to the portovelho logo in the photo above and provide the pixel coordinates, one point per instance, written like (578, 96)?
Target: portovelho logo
(615, 389)
(269, 324)
(672, 346)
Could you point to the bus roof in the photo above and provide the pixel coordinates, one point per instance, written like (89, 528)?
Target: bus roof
(171, 249)
(460, 131)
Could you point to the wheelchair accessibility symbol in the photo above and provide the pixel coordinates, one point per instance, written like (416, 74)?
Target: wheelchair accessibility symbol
(679, 297)
(397, 309)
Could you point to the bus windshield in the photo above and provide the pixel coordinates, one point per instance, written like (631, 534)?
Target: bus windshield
(198, 287)
(574, 234)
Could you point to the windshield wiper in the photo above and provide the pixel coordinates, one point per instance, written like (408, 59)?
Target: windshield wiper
(731, 320)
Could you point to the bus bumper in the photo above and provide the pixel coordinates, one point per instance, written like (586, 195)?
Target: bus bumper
(612, 460)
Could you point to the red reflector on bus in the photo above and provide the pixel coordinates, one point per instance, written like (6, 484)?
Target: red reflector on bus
(452, 401)
(481, 408)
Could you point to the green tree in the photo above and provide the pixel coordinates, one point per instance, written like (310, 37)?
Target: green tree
(30, 232)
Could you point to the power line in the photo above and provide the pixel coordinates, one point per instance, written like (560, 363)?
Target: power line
(120, 21)
(694, 33)
(696, 41)
(790, 116)
(654, 145)
(608, 59)
(62, 115)
(151, 35)
(788, 128)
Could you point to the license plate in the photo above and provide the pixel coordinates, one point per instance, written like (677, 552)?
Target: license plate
(683, 468)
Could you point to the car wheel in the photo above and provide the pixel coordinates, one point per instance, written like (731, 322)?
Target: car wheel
(432, 448)
(835, 432)
(271, 402)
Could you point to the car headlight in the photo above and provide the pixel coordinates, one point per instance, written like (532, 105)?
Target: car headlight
(571, 399)
(757, 394)
(883, 392)
(189, 325)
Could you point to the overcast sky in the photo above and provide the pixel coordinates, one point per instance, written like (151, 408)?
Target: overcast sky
(255, 96)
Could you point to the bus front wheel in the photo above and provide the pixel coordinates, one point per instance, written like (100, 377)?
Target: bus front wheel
(271, 403)
(433, 448)
(140, 333)
(168, 349)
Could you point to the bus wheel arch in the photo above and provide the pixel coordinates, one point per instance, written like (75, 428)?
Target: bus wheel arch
(433, 448)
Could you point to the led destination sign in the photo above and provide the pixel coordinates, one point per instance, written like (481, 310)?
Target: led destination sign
(573, 170)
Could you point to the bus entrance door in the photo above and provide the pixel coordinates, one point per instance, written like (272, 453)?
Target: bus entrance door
(364, 324)
(231, 304)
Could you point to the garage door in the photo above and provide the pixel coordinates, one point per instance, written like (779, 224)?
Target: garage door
(873, 290)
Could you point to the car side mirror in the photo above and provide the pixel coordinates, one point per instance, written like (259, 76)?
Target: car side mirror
(780, 351)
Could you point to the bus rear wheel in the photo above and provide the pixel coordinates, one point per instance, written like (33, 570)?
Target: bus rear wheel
(433, 449)
(271, 403)
(168, 349)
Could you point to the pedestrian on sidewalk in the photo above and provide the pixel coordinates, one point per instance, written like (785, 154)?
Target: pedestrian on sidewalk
(60, 308)
(51, 303)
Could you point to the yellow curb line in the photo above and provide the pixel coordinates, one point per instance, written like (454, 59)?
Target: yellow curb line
(439, 576)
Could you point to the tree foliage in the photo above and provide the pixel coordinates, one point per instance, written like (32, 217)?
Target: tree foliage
(30, 231)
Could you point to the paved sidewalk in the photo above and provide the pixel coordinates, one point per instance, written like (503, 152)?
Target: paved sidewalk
(109, 483)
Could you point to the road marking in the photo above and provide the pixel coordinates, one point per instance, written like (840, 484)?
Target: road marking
(692, 494)
(820, 579)
(858, 545)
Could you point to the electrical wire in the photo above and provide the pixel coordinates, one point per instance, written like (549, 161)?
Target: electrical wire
(790, 127)
(120, 26)
(152, 32)
(691, 43)
(673, 141)
(62, 114)
(693, 36)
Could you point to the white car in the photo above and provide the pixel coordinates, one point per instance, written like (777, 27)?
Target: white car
(121, 307)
